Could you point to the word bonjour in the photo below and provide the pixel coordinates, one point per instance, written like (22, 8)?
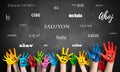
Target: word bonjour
(26, 45)
(61, 37)
(104, 16)
(35, 14)
(93, 35)
(34, 35)
(75, 15)
(56, 26)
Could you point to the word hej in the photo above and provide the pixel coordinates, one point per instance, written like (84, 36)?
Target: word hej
(104, 16)
(56, 26)
(26, 45)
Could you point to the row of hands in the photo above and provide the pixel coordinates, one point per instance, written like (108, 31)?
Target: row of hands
(84, 58)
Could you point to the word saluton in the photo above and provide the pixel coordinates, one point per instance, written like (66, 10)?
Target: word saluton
(26, 45)
(104, 16)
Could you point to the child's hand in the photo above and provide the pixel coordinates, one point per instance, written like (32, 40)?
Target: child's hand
(31, 61)
(73, 61)
(39, 57)
(45, 63)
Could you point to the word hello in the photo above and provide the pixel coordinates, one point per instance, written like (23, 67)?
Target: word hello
(35, 15)
(26, 45)
(104, 16)
(75, 16)
(61, 37)
(56, 26)
(7, 17)
(93, 35)
(34, 35)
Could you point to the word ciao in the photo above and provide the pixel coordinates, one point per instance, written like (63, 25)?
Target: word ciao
(105, 16)
(56, 26)
(26, 45)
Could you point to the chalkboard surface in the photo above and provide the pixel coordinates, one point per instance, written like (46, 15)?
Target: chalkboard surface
(49, 25)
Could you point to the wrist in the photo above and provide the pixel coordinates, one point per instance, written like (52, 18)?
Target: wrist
(94, 67)
(63, 67)
(73, 68)
(52, 69)
(83, 69)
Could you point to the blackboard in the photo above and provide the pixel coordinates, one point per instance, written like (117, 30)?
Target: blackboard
(49, 25)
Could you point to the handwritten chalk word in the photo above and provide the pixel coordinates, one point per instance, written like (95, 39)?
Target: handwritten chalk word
(76, 45)
(12, 35)
(45, 45)
(85, 26)
(99, 5)
(26, 45)
(56, 7)
(93, 35)
(61, 37)
(35, 15)
(78, 5)
(113, 33)
(105, 16)
(22, 25)
(7, 17)
(34, 35)
(21, 5)
(56, 26)
(75, 15)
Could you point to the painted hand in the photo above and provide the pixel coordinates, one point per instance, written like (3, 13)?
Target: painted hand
(95, 55)
(31, 61)
(23, 59)
(73, 61)
(53, 60)
(101, 65)
(11, 57)
(82, 59)
(65, 56)
(39, 57)
(110, 52)
(45, 63)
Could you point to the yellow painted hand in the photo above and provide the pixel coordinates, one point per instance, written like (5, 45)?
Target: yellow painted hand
(65, 56)
(11, 56)
(83, 59)
(8, 59)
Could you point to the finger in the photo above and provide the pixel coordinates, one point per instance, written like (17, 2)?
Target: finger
(53, 54)
(5, 57)
(89, 54)
(23, 55)
(115, 49)
(93, 48)
(97, 47)
(42, 54)
(70, 54)
(102, 55)
(38, 53)
(105, 47)
(112, 46)
(27, 55)
(108, 45)
(83, 53)
(7, 54)
(77, 57)
(58, 56)
(10, 51)
(67, 51)
(4, 60)
(14, 50)
(62, 50)
(79, 53)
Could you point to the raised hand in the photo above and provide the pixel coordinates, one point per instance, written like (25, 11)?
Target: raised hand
(31, 61)
(73, 61)
(65, 56)
(11, 57)
(39, 57)
(23, 59)
(110, 52)
(95, 55)
(53, 60)
(101, 65)
(45, 63)
(82, 59)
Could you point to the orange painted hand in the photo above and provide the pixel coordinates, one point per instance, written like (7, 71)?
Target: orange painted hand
(65, 57)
